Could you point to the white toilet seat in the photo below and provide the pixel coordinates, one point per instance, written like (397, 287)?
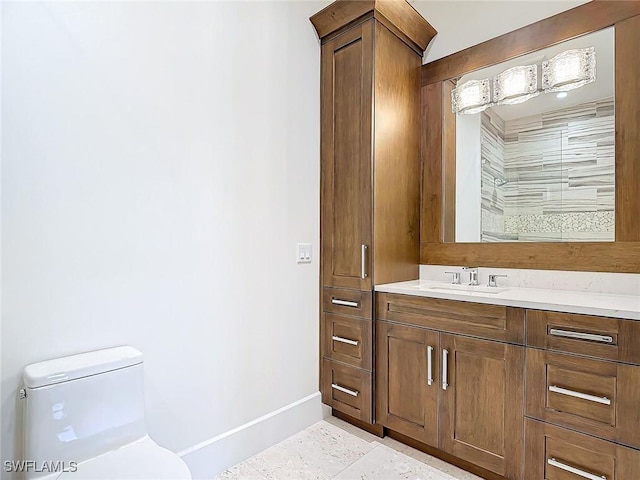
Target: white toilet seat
(140, 460)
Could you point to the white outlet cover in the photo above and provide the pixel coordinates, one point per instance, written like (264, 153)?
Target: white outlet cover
(303, 253)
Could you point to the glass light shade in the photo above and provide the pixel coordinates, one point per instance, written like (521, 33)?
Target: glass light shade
(569, 70)
(471, 97)
(516, 85)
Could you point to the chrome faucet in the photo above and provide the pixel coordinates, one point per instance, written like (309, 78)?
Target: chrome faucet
(473, 275)
(455, 279)
(493, 282)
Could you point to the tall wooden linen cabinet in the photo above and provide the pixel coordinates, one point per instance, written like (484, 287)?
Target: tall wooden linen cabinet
(370, 181)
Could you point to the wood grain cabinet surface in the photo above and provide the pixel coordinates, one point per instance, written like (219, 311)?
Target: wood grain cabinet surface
(600, 337)
(347, 389)
(481, 413)
(371, 55)
(555, 453)
(593, 396)
(460, 394)
(407, 377)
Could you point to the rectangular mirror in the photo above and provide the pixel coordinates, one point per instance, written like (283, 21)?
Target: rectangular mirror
(535, 146)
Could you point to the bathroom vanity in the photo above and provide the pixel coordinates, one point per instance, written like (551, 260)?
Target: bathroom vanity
(504, 386)
(509, 383)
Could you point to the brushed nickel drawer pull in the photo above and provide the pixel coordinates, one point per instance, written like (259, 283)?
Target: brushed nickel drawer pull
(345, 303)
(581, 336)
(445, 366)
(583, 396)
(344, 340)
(429, 365)
(348, 391)
(363, 261)
(568, 468)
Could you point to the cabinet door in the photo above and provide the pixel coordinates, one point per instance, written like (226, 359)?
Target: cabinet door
(554, 453)
(596, 397)
(346, 158)
(481, 403)
(407, 381)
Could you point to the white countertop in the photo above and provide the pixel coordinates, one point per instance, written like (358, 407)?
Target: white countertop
(599, 304)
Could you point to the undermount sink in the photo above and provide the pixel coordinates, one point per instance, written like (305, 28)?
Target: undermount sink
(462, 288)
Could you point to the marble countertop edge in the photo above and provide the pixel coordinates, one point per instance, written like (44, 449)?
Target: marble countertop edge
(567, 301)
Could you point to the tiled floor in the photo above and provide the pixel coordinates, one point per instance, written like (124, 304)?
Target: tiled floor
(333, 449)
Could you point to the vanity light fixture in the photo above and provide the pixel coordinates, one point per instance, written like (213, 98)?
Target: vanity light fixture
(471, 97)
(569, 70)
(516, 85)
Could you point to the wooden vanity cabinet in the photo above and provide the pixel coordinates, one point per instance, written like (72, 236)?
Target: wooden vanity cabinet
(454, 391)
(371, 55)
(407, 377)
(481, 414)
(555, 453)
(582, 397)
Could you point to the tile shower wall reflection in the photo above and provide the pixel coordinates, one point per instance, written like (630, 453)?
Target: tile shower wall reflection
(550, 176)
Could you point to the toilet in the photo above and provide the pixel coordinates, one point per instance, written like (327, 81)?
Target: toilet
(84, 419)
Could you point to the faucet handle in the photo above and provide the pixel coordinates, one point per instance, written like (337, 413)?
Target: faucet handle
(493, 280)
(456, 278)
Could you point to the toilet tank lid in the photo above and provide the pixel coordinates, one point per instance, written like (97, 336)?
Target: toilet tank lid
(81, 365)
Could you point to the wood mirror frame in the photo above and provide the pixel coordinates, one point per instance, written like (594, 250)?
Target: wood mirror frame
(438, 151)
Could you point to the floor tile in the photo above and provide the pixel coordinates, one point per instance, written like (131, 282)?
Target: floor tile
(452, 470)
(385, 463)
(242, 471)
(319, 452)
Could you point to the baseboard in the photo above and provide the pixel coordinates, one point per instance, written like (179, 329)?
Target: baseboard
(209, 458)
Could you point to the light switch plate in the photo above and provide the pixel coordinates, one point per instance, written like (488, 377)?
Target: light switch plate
(303, 253)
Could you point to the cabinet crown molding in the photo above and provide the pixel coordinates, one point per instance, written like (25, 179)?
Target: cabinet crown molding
(398, 15)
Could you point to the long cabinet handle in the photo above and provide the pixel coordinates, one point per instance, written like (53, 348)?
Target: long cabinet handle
(583, 396)
(345, 303)
(576, 471)
(344, 340)
(363, 261)
(581, 336)
(445, 366)
(353, 393)
(429, 365)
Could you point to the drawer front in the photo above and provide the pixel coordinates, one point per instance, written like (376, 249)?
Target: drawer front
(600, 337)
(348, 340)
(593, 396)
(356, 303)
(347, 389)
(553, 453)
(493, 322)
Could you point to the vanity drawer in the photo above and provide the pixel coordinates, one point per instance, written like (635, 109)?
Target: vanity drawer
(593, 396)
(347, 302)
(348, 340)
(347, 389)
(492, 322)
(553, 453)
(601, 337)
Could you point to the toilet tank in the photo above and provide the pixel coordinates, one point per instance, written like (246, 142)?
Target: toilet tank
(80, 406)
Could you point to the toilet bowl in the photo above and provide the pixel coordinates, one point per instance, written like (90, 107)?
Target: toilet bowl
(84, 419)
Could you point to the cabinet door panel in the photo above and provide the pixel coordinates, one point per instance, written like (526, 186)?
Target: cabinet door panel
(593, 396)
(346, 158)
(554, 453)
(600, 337)
(481, 407)
(407, 401)
(348, 340)
(347, 389)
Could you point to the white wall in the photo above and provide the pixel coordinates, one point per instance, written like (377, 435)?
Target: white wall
(468, 177)
(160, 162)
(462, 24)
